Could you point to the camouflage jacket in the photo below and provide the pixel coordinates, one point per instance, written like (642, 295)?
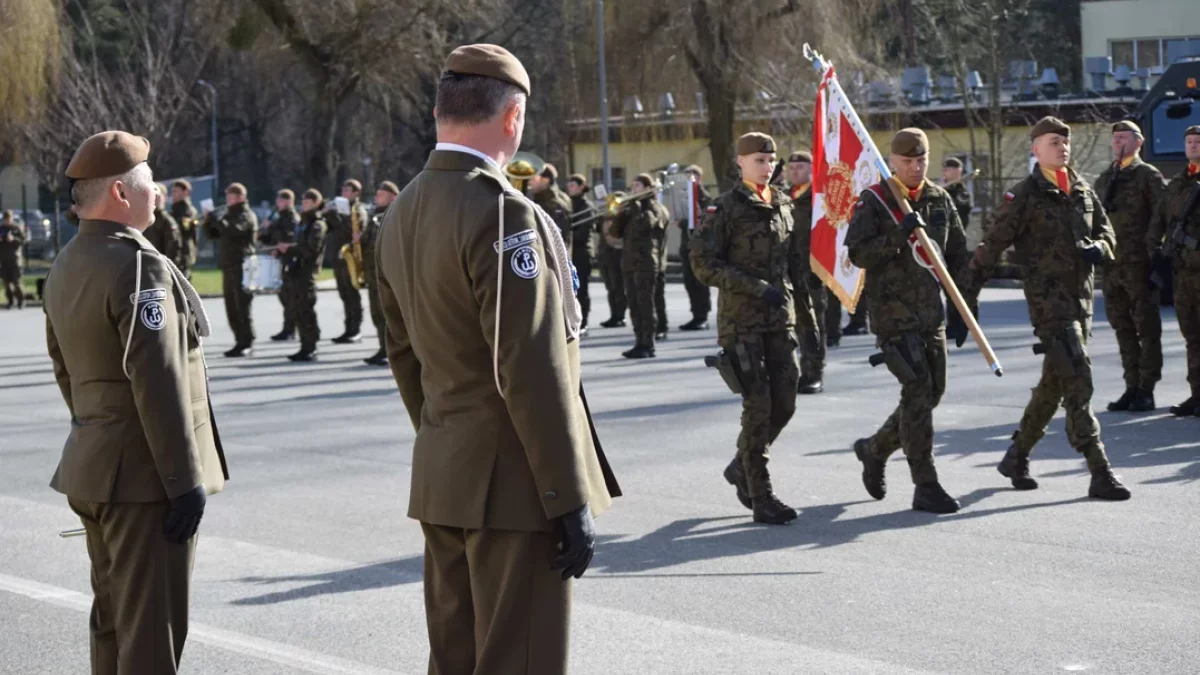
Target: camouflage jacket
(304, 259)
(743, 246)
(164, 234)
(1138, 189)
(802, 216)
(581, 237)
(1048, 228)
(12, 239)
(1170, 207)
(234, 232)
(642, 225)
(903, 296)
(962, 202)
(341, 227)
(185, 216)
(557, 204)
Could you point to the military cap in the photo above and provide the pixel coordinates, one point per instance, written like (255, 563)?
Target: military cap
(313, 195)
(182, 185)
(577, 178)
(952, 163)
(108, 153)
(800, 156)
(1193, 130)
(549, 171)
(286, 194)
(353, 184)
(389, 186)
(489, 61)
(910, 142)
(1127, 125)
(694, 168)
(755, 142)
(1050, 125)
(644, 179)
(236, 188)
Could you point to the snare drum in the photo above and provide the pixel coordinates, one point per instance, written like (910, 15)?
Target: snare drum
(262, 273)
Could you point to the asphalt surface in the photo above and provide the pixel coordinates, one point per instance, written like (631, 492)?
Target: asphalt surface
(307, 563)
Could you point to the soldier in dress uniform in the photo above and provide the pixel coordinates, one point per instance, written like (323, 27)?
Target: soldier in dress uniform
(282, 230)
(12, 241)
(123, 328)
(302, 260)
(699, 294)
(384, 196)
(812, 342)
(583, 247)
(164, 232)
(234, 231)
(184, 214)
(482, 337)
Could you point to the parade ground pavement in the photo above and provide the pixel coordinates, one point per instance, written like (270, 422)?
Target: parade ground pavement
(307, 562)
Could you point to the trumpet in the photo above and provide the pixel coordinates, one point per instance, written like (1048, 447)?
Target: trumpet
(613, 204)
(965, 177)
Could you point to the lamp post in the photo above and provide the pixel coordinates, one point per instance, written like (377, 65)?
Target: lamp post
(215, 168)
(603, 95)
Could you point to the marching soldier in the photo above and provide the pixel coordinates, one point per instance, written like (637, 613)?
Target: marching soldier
(906, 313)
(482, 339)
(812, 344)
(341, 232)
(302, 259)
(612, 260)
(1177, 218)
(956, 187)
(583, 247)
(12, 241)
(185, 216)
(384, 196)
(858, 320)
(1130, 189)
(1058, 225)
(123, 329)
(699, 294)
(282, 230)
(164, 232)
(234, 231)
(642, 226)
(747, 249)
(543, 190)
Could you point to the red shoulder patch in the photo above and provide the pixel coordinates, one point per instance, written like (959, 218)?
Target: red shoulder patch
(711, 209)
(1008, 196)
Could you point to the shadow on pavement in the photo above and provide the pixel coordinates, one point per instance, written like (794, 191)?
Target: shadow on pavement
(361, 578)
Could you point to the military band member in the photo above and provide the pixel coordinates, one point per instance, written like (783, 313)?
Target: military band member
(302, 260)
(482, 339)
(642, 226)
(699, 294)
(956, 187)
(1177, 219)
(1057, 224)
(543, 190)
(611, 258)
(282, 230)
(123, 329)
(185, 216)
(907, 315)
(747, 249)
(234, 231)
(583, 247)
(12, 241)
(341, 228)
(1129, 190)
(812, 341)
(384, 196)
(164, 232)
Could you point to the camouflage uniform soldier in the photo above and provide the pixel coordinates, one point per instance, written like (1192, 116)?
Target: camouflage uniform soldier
(384, 196)
(163, 233)
(746, 248)
(642, 225)
(1178, 219)
(699, 294)
(12, 240)
(234, 232)
(1058, 225)
(1130, 189)
(907, 315)
(812, 343)
(185, 216)
(301, 267)
(953, 184)
(282, 230)
(543, 190)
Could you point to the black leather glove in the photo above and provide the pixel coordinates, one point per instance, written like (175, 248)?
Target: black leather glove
(774, 296)
(184, 518)
(911, 221)
(578, 545)
(1093, 253)
(956, 328)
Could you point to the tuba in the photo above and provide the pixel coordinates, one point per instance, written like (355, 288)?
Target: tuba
(352, 255)
(522, 167)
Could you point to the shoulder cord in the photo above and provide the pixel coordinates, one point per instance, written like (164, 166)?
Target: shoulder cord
(499, 293)
(192, 304)
(137, 297)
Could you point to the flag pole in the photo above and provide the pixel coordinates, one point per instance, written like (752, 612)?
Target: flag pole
(939, 266)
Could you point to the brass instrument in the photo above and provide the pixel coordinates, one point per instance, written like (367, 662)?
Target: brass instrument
(351, 253)
(965, 177)
(613, 204)
(522, 167)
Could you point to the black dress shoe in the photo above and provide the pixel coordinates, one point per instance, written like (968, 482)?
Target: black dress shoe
(1123, 402)
(1143, 401)
(239, 351)
(932, 497)
(613, 323)
(810, 386)
(1188, 408)
(282, 336)
(639, 352)
(377, 359)
(304, 355)
(348, 339)
(695, 324)
(855, 329)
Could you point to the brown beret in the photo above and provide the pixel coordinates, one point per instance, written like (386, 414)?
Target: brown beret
(182, 185)
(755, 142)
(694, 168)
(952, 163)
(550, 172)
(1050, 125)
(577, 178)
(236, 188)
(1127, 125)
(108, 153)
(389, 186)
(313, 196)
(644, 179)
(910, 142)
(353, 184)
(286, 194)
(1193, 130)
(800, 156)
(489, 61)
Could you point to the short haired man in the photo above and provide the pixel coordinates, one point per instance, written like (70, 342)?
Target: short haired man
(342, 232)
(699, 294)
(812, 341)
(583, 246)
(235, 231)
(385, 194)
(184, 214)
(282, 230)
(642, 226)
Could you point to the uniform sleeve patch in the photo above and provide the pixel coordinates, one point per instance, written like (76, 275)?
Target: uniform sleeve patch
(712, 209)
(153, 315)
(1008, 196)
(525, 263)
(516, 241)
(148, 295)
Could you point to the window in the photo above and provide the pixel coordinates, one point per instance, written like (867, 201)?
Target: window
(1145, 52)
(1122, 54)
(618, 177)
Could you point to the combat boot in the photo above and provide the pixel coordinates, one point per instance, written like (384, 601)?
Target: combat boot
(809, 385)
(932, 497)
(379, 358)
(832, 341)
(304, 355)
(1106, 486)
(661, 335)
(614, 322)
(855, 328)
(282, 336)
(348, 338)
(873, 469)
(239, 351)
(1123, 402)
(697, 323)
(1143, 401)
(1188, 408)
(1015, 467)
(639, 352)
(736, 477)
(769, 510)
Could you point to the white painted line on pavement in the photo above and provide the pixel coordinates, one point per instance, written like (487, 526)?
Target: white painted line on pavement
(267, 650)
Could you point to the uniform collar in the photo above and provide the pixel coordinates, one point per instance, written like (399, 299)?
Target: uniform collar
(455, 147)
(799, 190)
(107, 228)
(913, 194)
(1193, 168)
(451, 157)
(1130, 160)
(763, 194)
(1047, 179)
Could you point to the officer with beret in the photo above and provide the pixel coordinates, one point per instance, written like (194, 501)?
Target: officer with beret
(341, 232)
(1058, 225)
(483, 340)
(583, 243)
(384, 196)
(12, 241)
(163, 234)
(123, 328)
(302, 258)
(812, 341)
(235, 231)
(184, 214)
(282, 230)
(956, 187)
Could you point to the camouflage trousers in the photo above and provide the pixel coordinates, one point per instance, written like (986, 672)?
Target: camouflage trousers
(910, 426)
(351, 299)
(302, 303)
(237, 306)
(376, 310)
(699, 294)
(812, 343)
(639, 291)
(1068, 384)
(769, 380)
(1187, 309)
(1133, 312)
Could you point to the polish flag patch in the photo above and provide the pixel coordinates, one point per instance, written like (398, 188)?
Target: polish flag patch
(1008, 196)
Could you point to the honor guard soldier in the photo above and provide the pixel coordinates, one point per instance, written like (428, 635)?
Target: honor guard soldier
(1129, 190)
(583, 246)
(123, 328)
(906, 313)
(185, 216)
(642, 226)
(1058, 226)
(164, 232)
(699, 294)
(956, 187)
(483, 330)
(543, 190)
(1177, 218)
(12, 242)
(384, 196)
(747, 249)
(301, 267)
(282, 230)
(812, 342)
(234, 232)
(341, 232)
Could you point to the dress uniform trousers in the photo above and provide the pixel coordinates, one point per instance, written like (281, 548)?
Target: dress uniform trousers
(351, 300)
(699, 295)
(639, 290)
(833, 315)
(237, 305)
(377, 317)
(583, 267)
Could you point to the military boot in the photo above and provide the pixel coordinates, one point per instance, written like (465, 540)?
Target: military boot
(305, 355)
(284, 335)
(1015, 467)
(613, 322)
(1188, 408)
(379, 358)
(810, 385)
(1123, 402)
(348, 338)
(1106, 486)
(932, 497)
(769, 510)
(873, 469)
(1143, 401)
(736, 477)
(639, 352)
(698, 323)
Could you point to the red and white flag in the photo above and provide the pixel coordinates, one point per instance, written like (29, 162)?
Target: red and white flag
(693, 192)
(845, 162)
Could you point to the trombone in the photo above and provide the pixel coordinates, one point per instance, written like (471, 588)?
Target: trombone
(963, 178)
(613, 204)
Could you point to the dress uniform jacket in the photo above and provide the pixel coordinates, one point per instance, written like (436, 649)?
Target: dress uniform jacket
(12, 239)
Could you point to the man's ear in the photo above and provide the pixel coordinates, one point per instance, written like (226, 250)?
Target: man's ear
(435, 112)
(118, 192)
(511, 115)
